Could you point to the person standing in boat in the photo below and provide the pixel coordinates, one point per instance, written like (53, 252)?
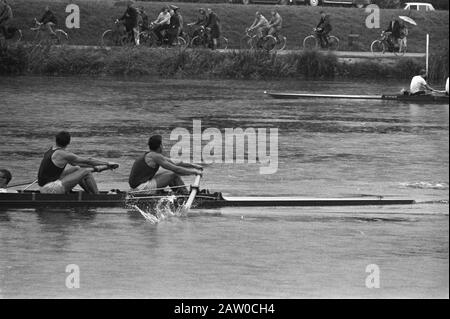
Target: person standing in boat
(419, 85)
(5, 178)
(146, 176)
(56, 177)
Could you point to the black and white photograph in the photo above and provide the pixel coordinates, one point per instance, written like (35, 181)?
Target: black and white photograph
(224, 155)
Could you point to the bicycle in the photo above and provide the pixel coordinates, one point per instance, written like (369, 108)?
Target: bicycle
(385, 43)
(117, 36)
(11, 35)
(189, 32)
(312, 42)
(203, 39)
(60, 36)
(268, 42)
(149, 38)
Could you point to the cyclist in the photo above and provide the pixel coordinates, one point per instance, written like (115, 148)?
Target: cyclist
(143, 19)
(130, 20)
(213, 26)
(175, 25)
(48, 20)
(6, 16)
(162, 23)
(323, 29)
(261, 25)
(202, 19)
(275, 24)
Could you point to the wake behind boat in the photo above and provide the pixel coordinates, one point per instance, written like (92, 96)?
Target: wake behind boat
(428, 98)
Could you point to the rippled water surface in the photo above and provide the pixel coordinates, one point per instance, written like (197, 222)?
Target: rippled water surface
(326, 148)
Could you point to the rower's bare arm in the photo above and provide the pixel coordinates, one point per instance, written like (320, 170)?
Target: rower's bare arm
(75, 160)
(186, 165)
(169, 165)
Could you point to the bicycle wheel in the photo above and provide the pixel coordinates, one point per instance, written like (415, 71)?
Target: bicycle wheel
(377, 46)
(333, 43)
(198, 41)
(180, 42)
(61, 37)
(310, 43)
(14, 36)
(222, 43)
(269, 43)
(110, 38)
(281, 43)
(247, 42)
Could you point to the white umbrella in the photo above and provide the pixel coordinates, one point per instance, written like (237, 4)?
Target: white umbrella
(408, 19)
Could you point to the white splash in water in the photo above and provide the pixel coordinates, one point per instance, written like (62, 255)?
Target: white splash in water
(166, 207)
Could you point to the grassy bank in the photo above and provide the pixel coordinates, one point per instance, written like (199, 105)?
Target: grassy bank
(98, 15)
(134, 61)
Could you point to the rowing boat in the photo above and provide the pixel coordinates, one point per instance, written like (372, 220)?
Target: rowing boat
(439, 99)
(34, 199)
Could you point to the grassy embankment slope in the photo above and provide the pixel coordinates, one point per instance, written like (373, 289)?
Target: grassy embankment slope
(98, 15)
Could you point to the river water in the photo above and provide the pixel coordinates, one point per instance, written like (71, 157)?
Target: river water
(326, 148)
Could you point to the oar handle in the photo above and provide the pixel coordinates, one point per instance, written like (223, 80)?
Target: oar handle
(101, 168)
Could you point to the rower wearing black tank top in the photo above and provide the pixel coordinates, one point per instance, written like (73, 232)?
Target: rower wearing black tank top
(61, 170)
(146, 176)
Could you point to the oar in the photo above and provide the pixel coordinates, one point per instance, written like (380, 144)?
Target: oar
(194, 191)
(30, 185)
(21, 184)
(98, 169)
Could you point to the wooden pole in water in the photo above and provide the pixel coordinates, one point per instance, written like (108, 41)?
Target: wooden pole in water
(427, 52)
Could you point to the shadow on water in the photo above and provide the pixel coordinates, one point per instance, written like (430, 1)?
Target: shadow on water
(61, 223)
(4, 216)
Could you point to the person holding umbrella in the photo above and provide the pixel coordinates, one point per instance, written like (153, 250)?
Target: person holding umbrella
(403, 32)
(394, 31)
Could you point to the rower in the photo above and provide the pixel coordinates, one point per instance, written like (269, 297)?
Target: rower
(146, 177)
(419, 85)
(5, 178)
(55, 177)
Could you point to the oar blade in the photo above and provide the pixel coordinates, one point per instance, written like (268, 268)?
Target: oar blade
(194, 191)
